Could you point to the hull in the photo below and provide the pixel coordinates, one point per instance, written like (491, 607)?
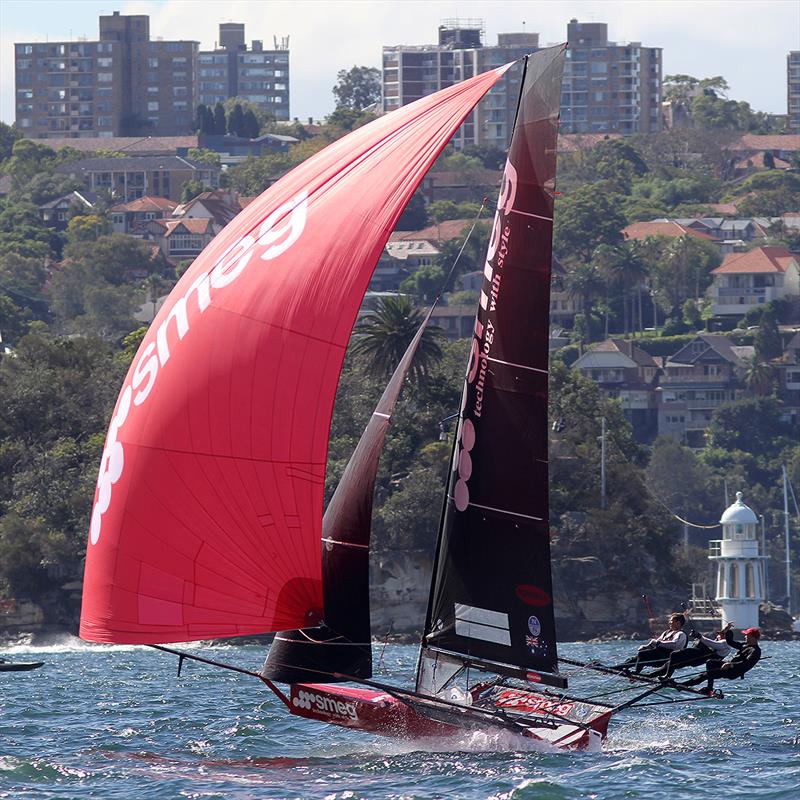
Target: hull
(19, 666)
(579, 724)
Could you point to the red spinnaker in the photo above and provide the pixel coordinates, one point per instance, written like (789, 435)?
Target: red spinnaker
(208, 509)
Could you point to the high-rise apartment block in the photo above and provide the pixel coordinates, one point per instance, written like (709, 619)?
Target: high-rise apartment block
(126, 84)
(793, 90)
(257, 75)
(607, 87)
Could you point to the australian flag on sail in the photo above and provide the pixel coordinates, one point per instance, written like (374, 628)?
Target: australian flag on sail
(491, 598)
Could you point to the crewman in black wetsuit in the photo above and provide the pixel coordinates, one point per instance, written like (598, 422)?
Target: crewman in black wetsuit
(657, 651)
(747, 657)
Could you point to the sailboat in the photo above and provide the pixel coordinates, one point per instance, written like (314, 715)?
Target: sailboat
(208, 514)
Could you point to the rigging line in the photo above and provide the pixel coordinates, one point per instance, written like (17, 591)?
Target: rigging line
(460, 253)
(657, 498)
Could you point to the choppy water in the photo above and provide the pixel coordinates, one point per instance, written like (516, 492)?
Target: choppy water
(115, 722)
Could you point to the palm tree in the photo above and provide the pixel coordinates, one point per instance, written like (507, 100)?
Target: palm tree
(584, 281)
(759, 377)
(384, 334)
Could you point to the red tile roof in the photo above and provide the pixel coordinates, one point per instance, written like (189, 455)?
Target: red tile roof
(147, 203)
(125, 144)
(191, 225)
(756, 141)
(661, 227)
(443, 232)
(759, 259)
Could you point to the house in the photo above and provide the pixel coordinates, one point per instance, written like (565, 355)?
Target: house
(639, 231)
(627, 373)
(697, 379)
(457, 322)
(444, 231)
(129, 177)
(221, 205)
(756, 277)
(55, 213)
(399, 260)
(181, 239)
(128, 217)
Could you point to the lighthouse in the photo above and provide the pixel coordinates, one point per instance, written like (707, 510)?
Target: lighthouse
(740, 566)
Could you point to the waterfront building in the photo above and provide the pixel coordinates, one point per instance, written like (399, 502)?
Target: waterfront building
(257, 75)
(739, 559)
(123, 84)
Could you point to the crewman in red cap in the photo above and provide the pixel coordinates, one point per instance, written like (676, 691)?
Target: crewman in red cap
(747, 657)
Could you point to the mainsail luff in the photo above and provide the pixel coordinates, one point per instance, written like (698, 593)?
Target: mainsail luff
(208, 509)
(491, 597)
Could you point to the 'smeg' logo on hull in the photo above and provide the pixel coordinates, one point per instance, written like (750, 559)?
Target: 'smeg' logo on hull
(325, 705)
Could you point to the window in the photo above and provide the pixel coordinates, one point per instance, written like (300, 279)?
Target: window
(152, 89)
(152, 105)
(749, 580)
(105, 62)
(105, 122)
(733, 581)
(152, 63)
(104, 77)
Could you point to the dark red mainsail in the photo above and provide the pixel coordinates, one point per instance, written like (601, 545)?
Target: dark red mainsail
(208, 509)
(491, 599)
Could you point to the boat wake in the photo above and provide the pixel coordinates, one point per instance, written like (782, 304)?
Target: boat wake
(59, 643)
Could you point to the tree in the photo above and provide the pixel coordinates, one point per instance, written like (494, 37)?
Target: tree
(200, 119)
(588, 217)
(87, 228)
(115, 257)
(491, 157)
(749, 425)
(759, 377)
(343, 120)
(191, 189)
(357, 87)
(383, 336)
(768, 342)
(8, 135)
(236, 121)
(683, 271)
(28, 159)
(618, 162)
(203, 155)
(415, 215)
(584, 281)
(220, 122)
(424, 284)
(250, 126)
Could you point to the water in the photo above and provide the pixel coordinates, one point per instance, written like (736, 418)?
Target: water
(115, 722)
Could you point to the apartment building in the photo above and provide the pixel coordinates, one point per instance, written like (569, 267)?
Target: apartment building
(608, 87)
(122, 84)
(793, 90)
(127, 84)
(414, 71)
(257, 75)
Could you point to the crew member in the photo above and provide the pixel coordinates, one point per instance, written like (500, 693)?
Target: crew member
(657, 651)
(747, 657)
(703, 649)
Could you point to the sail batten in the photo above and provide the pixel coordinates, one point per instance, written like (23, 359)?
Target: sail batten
(207, 519)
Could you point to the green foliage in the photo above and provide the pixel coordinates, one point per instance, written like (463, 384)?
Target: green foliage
(441, 210)
(220, 121)
(585, 218)
(424, 284)
(748, 425)
(357, 87)
(192, 189)
(255, 174)
(236, 120)
(415, 214)
(383, 336)
(203, 155)
(343, 120)
(87, 228)
(768, 341)
(617, 162)
(490, 157)
(8, 135)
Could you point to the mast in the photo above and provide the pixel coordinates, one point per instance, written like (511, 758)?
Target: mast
(491, 600)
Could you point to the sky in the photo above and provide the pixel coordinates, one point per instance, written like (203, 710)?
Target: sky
(745, 41)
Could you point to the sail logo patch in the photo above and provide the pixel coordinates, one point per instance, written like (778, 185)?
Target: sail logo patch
(534, 626)
(323, 704)
(532, 595)
(482, 623)
(276, 234)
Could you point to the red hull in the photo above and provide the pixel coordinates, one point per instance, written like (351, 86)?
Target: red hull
(379, 712)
